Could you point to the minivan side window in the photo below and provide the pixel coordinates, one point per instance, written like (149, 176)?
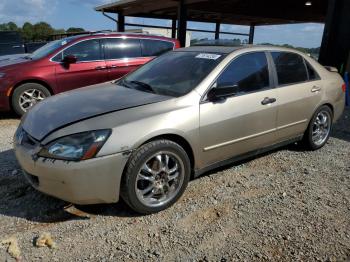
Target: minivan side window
(290, 68)
(84, 51)
(118, 48)
(155, 47)
(248, 72)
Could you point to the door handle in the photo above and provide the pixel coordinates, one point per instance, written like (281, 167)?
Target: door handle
(113, 66)
(315, 89)
(100, 67)
(268, 100)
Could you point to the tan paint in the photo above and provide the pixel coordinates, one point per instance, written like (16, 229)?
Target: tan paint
(215, 131)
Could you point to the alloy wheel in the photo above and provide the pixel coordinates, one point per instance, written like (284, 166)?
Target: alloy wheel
(29, 98)
(321, 127)
(159, 179)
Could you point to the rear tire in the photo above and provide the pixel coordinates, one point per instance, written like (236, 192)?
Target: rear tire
(156, 176)
(27, 95)
(318, 131)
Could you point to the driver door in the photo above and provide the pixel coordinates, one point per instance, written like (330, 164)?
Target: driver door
(245, 121)
(89, 69)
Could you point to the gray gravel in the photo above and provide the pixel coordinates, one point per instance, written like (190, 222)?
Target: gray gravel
(286, 205)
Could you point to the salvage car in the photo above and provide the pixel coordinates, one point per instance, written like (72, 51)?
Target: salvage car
(182, 114)
(74, 62)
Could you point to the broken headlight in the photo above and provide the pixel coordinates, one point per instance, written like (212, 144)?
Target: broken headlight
(76, 147)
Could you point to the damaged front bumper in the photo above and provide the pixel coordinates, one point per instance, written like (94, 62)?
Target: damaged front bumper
(91, 181)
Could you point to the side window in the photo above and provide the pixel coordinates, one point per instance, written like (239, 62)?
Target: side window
(117, 48)
(89, 50)
(311, 72)
(155, 47)
(248, 72)
(290, 68)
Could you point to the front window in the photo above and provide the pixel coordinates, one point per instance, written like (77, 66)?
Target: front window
(248, 73)
(85, 51)
(49, 48)
(173, 74)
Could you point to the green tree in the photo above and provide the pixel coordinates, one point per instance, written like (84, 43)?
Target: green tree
(28, 31)
(11, 26)
(75, 30)
(59, 31)
(42, 31)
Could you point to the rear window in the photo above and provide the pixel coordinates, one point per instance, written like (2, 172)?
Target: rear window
(10, 37)
(118, 48)
(290, 68)
(155, 47)
(311, 72)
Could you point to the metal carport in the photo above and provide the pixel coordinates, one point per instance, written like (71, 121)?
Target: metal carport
(334, 13)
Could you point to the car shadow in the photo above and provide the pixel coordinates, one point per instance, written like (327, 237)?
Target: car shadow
(8, 115)
(19, 199)
(341, 129)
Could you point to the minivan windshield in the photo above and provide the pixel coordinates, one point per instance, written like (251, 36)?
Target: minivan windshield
(175, 73)
(49, 48)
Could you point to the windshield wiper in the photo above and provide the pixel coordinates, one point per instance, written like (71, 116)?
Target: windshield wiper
(144, 86)
(124, 83)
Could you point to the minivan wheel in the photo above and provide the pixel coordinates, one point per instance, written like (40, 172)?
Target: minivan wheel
(156, 176)
(27, 95)
(319, 129)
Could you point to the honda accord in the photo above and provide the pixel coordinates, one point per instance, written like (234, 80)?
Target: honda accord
(180, 115)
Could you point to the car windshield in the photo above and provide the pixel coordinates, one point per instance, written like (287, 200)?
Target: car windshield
(49, 48)
(173, 74)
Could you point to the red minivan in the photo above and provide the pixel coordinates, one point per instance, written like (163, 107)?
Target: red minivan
(74, 62)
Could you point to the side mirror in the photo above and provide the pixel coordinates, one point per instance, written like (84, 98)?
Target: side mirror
(69, 59)
(222, 92)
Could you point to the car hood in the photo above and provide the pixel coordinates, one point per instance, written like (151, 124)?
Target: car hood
(70, 107)
(8, 60)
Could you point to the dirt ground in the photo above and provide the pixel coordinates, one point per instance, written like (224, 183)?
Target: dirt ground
(286, 205)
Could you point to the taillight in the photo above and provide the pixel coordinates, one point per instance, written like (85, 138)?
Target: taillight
(344, 87)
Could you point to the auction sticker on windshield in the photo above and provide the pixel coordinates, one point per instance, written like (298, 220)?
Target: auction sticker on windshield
(208, 56)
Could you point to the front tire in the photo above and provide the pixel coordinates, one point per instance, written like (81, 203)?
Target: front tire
(156, 176)
(27, 95)
(319, 129)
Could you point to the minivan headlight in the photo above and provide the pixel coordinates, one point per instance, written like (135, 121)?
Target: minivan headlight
(81, 146)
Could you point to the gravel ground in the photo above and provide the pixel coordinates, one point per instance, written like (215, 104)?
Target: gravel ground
(285, 205)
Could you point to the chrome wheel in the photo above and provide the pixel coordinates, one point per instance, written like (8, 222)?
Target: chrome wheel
(159, 179)
(29, 98)
(321, 127)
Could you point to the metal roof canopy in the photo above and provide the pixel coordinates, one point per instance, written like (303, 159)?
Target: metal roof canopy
(334, 13)
(239, 12)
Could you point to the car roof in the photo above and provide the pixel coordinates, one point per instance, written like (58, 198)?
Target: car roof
(211, 49)
(231, 49)
(121, 34)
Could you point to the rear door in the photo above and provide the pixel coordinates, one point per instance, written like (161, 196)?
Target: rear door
(89, 69)
(244, 122)
(123, 55)
(299, 91)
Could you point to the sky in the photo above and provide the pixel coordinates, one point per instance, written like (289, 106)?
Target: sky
(81, 13)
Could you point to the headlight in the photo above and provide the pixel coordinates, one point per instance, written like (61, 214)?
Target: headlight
(2, 75)
(76, 147)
